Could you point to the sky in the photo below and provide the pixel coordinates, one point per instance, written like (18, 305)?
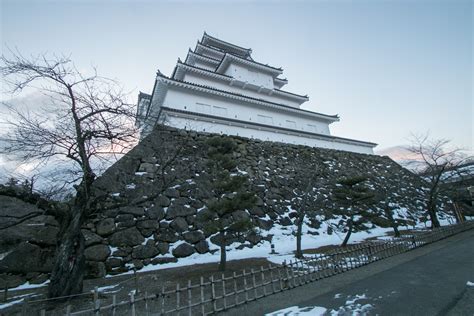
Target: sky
(388, 68)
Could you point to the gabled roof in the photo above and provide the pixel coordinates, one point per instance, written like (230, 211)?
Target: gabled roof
(230, 57)
(202, 57)
(233, 95)
(199, 46)
(281, 79)
(225, 46)
(181, 64)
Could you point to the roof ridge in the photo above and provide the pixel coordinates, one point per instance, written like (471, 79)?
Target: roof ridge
(203, 56)
(249, 60)
(202, 69)
(249, 50)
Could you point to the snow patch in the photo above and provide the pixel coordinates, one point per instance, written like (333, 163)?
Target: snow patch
(27, 285)
(296, 310)
(130, 186)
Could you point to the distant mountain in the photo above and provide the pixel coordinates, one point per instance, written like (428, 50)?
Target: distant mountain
(401, 155)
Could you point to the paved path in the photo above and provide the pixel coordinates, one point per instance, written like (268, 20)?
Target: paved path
(427, 281)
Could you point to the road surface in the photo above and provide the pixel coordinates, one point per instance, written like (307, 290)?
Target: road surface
(427, 281)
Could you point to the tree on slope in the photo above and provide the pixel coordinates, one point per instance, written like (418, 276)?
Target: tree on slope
(228, 218)
(387, 210)
(87, 120)
(437, 164)
(355, 197)
(310, 188)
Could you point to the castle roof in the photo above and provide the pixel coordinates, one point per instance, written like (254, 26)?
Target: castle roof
(209, 40)
(180, 75)
(233, 95)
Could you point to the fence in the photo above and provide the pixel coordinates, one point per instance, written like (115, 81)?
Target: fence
(217, 294)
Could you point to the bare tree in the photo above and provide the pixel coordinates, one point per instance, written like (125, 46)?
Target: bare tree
(87, 120)
(437, 164)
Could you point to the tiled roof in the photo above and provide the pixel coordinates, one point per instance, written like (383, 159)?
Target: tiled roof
(328, 117)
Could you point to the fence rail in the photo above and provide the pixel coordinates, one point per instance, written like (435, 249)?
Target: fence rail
(220, 293)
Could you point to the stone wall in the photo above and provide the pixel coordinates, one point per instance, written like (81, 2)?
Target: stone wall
(154, 196)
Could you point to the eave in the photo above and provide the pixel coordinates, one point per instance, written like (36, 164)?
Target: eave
(244, 98)
(200, 48)
(180, 68)
(210, 40)
(258, 126)
(279, 82)
(228, 58)
(209, 60)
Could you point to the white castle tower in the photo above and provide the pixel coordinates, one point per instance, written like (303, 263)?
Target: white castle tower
(219, 88)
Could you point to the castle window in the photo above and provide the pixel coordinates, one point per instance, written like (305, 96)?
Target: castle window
(219, 110)
(265, 119)
(290, 124)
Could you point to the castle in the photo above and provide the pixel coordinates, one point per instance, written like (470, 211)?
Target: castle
(219, 88)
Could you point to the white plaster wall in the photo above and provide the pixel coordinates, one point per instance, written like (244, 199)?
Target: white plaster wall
(219, 128)
(242, 73)
(223, 85)
(179, 98)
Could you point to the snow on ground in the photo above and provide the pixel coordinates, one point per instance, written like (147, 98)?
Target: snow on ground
(295, 310)
(27, 286)
(16, 300)
(108, 288)
(8, 304)
(283, 239)
(350, 307)
(469, 283)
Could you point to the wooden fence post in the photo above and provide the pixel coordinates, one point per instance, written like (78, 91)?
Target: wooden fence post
(132, 303)
(223, 291)
(201, 287)
(135, 276)
(162, 299)
(145, 298)
(245, 288)
(114, 304)
(177, 297)
(190, 299)
(213, 293)
(254, 284)
(96, 301)
(236, 295)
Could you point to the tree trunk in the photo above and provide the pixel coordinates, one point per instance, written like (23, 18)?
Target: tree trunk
(68, 271)
(432, 212)
(395, 229)
(299, 233)
(458, 214)
(349, 232)
(223, 253)
(388, 213)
